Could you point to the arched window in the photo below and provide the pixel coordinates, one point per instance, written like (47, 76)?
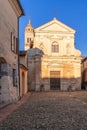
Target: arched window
(55, 47)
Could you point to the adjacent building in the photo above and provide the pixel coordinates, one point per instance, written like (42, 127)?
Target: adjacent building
(84, 73)
(10, 11)
(23, 73)
(53, 61)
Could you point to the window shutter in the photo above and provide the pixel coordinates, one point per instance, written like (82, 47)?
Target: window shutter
(12, 42)
(17, 46)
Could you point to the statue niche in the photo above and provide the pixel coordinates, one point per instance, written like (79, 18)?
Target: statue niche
(41, 46)
(68, 49)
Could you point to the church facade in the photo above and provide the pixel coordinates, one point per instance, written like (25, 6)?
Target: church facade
(53, 61)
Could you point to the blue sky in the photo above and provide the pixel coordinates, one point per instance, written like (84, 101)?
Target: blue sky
(71, 12)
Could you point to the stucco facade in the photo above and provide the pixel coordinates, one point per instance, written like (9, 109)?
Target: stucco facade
(10, 11)
(53, 61)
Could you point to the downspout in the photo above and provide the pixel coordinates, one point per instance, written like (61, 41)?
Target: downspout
(18, 59)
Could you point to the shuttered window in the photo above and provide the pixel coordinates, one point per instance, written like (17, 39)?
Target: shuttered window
(14, 43)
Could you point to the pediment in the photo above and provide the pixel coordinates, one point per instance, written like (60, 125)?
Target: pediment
(55, 25)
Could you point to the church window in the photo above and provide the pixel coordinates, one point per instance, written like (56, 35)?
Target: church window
(55, 47)
(28, 40)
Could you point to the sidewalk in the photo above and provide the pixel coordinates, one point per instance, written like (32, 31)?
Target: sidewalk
(7, 109)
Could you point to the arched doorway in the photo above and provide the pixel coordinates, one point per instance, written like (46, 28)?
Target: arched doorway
(23, 83)
(3, 73)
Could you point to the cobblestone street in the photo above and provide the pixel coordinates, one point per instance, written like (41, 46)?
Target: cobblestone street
(50, 111)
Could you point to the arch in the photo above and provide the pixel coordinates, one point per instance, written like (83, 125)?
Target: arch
(2, 60)
(54, 43)
(3, 79)
(3, 67)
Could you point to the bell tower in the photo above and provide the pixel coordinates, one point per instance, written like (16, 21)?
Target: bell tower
(29, 36)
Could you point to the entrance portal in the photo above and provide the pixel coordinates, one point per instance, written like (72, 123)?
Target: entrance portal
(55, 80)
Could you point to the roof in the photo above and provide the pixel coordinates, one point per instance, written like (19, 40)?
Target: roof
(16, 5)
(21, 7)
(23, 53)
(23, 67)
(84, 59)
(35, 52)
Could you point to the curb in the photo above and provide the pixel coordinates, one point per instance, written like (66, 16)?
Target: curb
(4, 105)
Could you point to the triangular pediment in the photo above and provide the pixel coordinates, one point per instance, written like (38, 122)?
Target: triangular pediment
(55, 25)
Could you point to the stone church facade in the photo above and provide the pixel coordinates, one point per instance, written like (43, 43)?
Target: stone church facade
(53, 61)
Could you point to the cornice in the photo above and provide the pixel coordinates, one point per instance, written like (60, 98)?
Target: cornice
(16, 7)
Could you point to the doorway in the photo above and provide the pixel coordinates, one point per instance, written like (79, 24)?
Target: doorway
(55, 80)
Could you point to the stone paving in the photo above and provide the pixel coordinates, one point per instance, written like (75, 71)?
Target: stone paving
(50, 111)
(7, 109)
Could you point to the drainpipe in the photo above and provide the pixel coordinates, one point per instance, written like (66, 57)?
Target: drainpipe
(18, 53)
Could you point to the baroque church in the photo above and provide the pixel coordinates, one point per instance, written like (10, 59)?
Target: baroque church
(53, 61)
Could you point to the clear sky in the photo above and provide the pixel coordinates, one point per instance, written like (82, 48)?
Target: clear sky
(71, 12)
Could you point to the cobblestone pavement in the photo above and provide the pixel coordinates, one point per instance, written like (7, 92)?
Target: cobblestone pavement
(50, 111)
(7, 109)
